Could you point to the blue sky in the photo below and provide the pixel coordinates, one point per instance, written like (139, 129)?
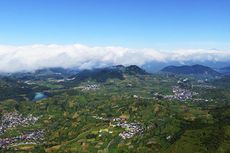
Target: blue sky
(160, 24)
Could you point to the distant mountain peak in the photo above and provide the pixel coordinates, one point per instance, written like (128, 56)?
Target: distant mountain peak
(114, 72)
(133, 69)
(224, 70)
(193, 69)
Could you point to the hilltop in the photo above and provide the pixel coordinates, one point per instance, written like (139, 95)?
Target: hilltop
(103, 74)
(191, 70)
(224, 70)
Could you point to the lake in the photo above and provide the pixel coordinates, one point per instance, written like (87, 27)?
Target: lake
(39, 96)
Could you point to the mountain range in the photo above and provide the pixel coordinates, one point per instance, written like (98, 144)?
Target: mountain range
(102, 74)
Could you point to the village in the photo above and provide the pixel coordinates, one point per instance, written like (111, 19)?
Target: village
(131, 129)
(34, 137)
(13, 120)
(91, 87)
(182, 94)
(88, 87)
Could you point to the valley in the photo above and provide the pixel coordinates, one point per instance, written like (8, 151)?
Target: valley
(115, 109)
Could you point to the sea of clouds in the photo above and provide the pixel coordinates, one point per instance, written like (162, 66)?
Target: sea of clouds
(32, 57)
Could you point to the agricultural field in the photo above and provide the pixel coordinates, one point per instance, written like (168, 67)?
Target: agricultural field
(138, 113)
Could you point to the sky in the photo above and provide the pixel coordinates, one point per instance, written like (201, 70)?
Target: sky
(129, 23)
(165, 26)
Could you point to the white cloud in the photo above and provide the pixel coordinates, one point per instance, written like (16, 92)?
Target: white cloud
(31, 57)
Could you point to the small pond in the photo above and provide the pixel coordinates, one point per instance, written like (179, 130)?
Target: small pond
(39, 96)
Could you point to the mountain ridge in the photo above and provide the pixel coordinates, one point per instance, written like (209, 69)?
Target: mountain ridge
(190, 70)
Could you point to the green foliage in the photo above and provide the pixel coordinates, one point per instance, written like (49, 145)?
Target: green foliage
(68, 116)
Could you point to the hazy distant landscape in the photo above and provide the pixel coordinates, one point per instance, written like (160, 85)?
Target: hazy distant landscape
(114, 76)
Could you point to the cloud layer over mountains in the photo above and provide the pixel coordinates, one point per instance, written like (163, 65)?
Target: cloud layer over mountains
(31, 57)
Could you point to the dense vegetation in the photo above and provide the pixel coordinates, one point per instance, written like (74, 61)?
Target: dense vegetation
(78, 117)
